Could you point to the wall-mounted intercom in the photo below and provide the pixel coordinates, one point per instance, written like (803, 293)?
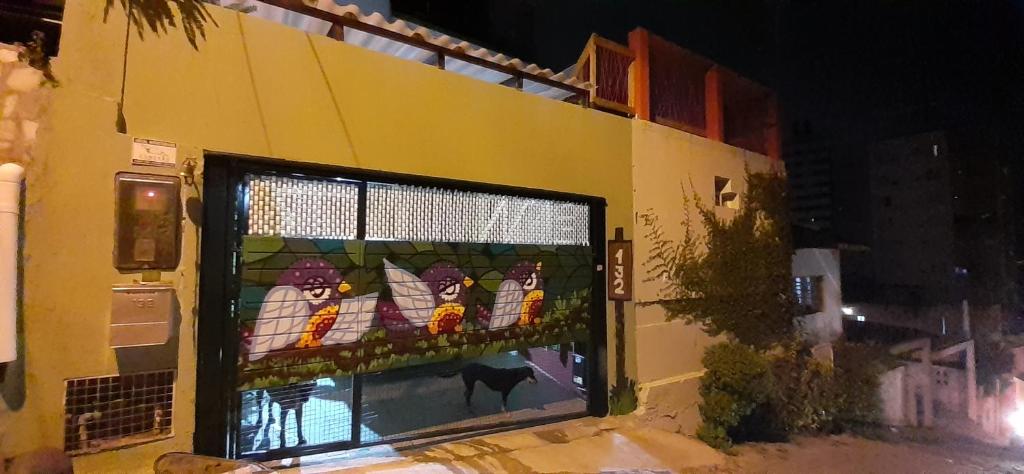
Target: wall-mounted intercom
(147, 233)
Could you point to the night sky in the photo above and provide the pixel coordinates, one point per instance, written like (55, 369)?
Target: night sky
(853, 69)
(850, 73)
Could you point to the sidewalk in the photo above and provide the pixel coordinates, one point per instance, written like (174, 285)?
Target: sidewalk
(622, 444)
(584, 445)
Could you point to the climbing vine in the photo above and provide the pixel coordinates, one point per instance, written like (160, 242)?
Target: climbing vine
(736, 278)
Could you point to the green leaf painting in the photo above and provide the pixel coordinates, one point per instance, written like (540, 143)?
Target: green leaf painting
(261, 248)
(311, 308)
(491, 280)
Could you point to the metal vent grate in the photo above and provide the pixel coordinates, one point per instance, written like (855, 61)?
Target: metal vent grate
(102, 413)
(399, 212)
(290, 207)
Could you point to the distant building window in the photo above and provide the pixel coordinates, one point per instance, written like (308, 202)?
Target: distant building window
(724, 195)
(807, 292)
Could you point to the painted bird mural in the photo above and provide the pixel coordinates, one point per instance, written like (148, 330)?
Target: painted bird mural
(519, 299)
(307, 309)
(436, 299)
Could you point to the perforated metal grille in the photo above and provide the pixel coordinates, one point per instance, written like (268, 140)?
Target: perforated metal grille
(293, 207)
(109, 412)
(418, 401)
(307, 413)
(399, 212)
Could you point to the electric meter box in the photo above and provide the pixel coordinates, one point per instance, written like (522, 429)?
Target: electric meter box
(147, 234)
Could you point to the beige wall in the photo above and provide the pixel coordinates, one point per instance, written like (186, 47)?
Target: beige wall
(261, 89)
(891, 392)
(664, 160)
(668, 353)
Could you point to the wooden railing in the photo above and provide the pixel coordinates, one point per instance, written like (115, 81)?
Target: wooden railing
(678, 88)
(607, 65)
(683, 90)
(577, 94)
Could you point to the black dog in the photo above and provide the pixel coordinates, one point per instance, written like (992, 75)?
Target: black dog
(499, 380)
(289, 398)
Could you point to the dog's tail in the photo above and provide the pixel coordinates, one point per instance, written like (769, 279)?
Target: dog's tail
(448, 375)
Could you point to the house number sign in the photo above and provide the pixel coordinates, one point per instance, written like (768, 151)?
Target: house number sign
(620, 270)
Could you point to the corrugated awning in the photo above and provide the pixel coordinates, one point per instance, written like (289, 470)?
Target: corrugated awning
(400, 49)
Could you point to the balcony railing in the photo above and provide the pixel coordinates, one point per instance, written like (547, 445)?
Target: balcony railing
(749, 115)
(657, 80)
(677, 86)
(652, 79)
(607, 65)
(401, 39)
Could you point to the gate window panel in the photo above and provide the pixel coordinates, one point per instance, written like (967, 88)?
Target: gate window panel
(301, 414)
(398, 212)
(444, 278)
(295, 207)
(429, 400)
(286, 401)
(528, 263)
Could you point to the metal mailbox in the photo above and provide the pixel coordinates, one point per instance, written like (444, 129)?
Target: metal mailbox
(141, 315)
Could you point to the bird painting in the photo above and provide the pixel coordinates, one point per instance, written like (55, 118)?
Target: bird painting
(436, 299)
(306, 309)
(519, 299)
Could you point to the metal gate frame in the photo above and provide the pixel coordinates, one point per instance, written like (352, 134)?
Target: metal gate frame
(218, 401)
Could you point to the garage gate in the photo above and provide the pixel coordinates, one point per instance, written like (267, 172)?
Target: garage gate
(337, 307)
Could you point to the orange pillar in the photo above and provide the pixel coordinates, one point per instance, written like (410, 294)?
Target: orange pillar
(640, 92)
(714, 119)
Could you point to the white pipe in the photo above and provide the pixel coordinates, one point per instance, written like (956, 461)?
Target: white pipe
(10, 196)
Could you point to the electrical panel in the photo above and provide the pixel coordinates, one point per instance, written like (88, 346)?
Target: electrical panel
(147, 222)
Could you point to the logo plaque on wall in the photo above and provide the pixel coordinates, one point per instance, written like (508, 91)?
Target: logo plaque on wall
(154, 153)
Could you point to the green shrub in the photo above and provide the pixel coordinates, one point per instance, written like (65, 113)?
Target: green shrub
(754, 396)
(858, 369)
(729, 275)
(816, 397)
(735, 386)
(805, 399)
(623, 400)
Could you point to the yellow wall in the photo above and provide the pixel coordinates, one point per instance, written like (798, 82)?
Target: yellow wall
(261, 89)
(668, 353)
